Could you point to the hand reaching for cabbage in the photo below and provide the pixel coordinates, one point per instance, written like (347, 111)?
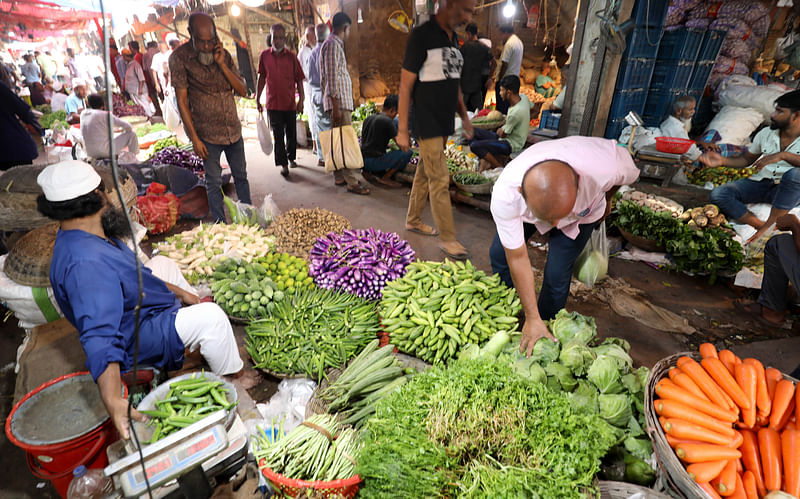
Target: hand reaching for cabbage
(531, 332)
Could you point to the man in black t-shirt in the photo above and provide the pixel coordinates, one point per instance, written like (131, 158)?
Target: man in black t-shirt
(430, 78)
(376, 133)
(477, 56)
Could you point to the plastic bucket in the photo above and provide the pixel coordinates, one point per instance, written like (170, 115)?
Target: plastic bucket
(54, 450)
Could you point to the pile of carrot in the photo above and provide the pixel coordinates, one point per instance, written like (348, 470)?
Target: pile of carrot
(733, 423)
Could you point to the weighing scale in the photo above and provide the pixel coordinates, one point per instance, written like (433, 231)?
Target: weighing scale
(181, 464)
(651, 162)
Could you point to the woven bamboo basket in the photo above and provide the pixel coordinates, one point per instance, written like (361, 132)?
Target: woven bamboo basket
(489, 125)
(624, 490)
(19, 190)
(28, 262)
(674, 472)
(642, 243)
(476, 189)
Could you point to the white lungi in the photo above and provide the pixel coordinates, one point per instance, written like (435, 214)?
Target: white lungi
(204, 326)
(308, 109)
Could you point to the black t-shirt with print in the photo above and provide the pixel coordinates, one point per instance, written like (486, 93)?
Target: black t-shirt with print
(376, 132)
(437, 62)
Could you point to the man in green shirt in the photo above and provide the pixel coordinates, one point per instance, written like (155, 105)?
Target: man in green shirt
(544, 85)
(510, 138)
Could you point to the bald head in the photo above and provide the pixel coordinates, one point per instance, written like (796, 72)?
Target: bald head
(550, 189)
(322, 32)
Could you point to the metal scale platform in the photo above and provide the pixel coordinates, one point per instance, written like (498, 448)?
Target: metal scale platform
(184, 464)
(651, 162)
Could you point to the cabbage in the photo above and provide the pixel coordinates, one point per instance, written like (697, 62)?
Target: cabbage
(577, 357)
(616, 409)
(639, 447)
(618, 353)
(617, 341)
(631, 383)
(591, 267)
(572, 326)
(562, 374)
(584, 398)
(545, 351)
(604, 374)
(537, 374)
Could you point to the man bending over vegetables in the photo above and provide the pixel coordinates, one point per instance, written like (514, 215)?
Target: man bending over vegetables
(774, 154)
(94, 279)
(562, 188)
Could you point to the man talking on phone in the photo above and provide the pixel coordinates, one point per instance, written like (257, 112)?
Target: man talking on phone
(205, 80)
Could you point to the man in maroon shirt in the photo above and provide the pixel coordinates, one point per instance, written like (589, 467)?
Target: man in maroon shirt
(280, 71)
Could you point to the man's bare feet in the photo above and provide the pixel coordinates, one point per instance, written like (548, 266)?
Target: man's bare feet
(246, 378)
(762, 314)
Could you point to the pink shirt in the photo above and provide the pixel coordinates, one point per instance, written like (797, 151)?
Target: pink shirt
(600, 165)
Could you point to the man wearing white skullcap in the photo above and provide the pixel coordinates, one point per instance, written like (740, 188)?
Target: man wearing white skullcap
(76, 102)
(94, 279)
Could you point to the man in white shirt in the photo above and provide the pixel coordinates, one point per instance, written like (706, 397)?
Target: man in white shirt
(94, 128)
(135, 84)
(679, 123)
(775, 155)
(157, 67)
(562, 188)
(58, 100)
(304, 56)
(510, 62)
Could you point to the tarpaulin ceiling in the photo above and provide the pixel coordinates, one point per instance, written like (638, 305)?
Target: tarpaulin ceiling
(34, 14)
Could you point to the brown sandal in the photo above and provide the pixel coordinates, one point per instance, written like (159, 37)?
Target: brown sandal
(424, 229)
(358, 189)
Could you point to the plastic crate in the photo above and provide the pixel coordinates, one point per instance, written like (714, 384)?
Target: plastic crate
(658, 104)
(642, 42)
(635, 73)
(671, 74)
(700, 74)
(625, 101)
(650, 12)
(550, 120)
(615, 127)
(681, 44)
(712, 42)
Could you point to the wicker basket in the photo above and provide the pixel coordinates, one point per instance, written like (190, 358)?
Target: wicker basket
(347, 488)
(642, 243)
(484, 189)
(28, 262)
(674, 472)
(623, 490)
(489, 125)
(19, 190)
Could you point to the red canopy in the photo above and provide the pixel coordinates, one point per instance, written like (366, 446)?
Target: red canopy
(36, 14)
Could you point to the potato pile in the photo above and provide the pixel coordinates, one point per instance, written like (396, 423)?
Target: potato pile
(297, 230)
(655, 203)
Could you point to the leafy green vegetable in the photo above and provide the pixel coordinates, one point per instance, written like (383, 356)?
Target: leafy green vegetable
(577, 356)
(584, 398)
(476, 429)
(572, 326)
(616, 352)
(563, 375)
(545, 350)
(639, 447)
(151, 128)
(616, 409)
(363, 111)
(604, 373)
(638, 471)
(48, 119)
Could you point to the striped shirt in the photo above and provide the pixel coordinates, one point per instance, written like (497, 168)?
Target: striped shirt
(334, 77)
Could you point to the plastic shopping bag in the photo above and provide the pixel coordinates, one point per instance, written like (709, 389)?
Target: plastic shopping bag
(269, 210)
(264, 138)
(158, 209)
(171, 116)
(592, 264)
(341, 149)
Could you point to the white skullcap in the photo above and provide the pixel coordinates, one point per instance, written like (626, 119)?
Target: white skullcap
(68, 180)
(77, 82)
(171, 36)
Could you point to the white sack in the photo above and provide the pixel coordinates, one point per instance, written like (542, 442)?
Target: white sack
(735, 124)
(762, 98)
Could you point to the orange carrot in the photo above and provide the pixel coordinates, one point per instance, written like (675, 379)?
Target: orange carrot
(674, 409)
(784, 394)
(739, 467)
(773, 376)
(684, 429)
(790, 447)
(747, 379)
(674, 392)
(728, 359)
(663, 422)
(762, 420)
(705, 382)
(769, 446)
(681, 379)
(708, 489)
(787, 416)
(797, 406)
(738, 492)
(708, 350)
(717, 370)
(697, 453)
(763, 400)
(706, 471)
(674, 442)
(749, 482)
(737, 441)
(725, 483)
(752, 460)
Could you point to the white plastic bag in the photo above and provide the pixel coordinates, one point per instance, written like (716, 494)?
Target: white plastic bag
(592, 264)
(172, 117)
(269, 210)
(289, 403)
(264, 138)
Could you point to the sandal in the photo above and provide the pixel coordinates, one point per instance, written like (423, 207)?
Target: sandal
(358, 189)
(339, 182)
(424, 229)
(460, 254)
(753, 310)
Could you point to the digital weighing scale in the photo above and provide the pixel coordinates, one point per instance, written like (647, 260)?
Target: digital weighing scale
(181, 464)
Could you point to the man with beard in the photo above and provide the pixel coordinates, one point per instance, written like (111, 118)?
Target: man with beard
(205, 79)
(95, 282)
(774, 154)
(280, 71)
(679, 123)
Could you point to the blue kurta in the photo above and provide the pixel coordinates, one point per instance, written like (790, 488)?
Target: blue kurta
(95, 284)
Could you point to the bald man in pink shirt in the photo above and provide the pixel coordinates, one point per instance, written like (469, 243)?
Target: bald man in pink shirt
(562, 188)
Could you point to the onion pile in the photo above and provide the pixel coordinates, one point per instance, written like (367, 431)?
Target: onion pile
(359, 262)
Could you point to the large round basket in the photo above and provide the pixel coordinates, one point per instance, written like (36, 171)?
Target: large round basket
(674, 472)
(19, 190)
(28, 262)
(642, 243)
(624, 490)
(347, 488)
(489, 125)
(484, 189)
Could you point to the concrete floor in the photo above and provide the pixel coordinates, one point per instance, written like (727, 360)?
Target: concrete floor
(708, 308)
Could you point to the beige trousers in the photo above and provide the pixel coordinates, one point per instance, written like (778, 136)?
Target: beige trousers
(432, 179)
